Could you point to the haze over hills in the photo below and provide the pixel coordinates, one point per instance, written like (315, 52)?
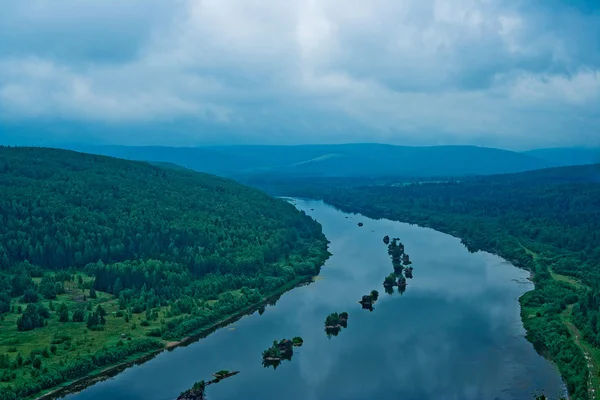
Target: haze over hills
(343, 160)
(567, 155)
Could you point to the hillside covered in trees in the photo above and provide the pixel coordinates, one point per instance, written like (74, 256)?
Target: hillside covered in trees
(546, 221)
(102, 259)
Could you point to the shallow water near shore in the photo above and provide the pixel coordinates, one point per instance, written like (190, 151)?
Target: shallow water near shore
(455, 333)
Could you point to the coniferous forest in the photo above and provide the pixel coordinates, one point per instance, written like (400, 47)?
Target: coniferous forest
(545, 221)
(102, 260)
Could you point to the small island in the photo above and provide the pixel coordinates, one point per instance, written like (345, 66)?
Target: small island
(335, 322)
(406, 259)
(197, 392)
(282, 350)
(396, 249)
(398, 267)
(408, 272)
(360, 224)
(390, 281)
(386, 239)
(401, 282)
(222, 374)
(368, 300)
(297, 341)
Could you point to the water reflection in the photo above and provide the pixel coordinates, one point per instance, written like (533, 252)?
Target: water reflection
(455, 334)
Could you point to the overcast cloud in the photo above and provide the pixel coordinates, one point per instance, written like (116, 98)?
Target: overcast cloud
(508, 73)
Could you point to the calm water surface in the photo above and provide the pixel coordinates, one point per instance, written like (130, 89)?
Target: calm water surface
(454, 334)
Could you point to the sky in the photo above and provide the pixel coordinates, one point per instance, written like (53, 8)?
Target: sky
(514, 74)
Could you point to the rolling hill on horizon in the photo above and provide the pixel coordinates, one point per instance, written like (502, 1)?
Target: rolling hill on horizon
(564, 156)
(343, 160)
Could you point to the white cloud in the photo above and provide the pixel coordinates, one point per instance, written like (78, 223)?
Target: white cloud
(461, 70)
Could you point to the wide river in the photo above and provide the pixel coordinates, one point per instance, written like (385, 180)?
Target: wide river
(455, 333)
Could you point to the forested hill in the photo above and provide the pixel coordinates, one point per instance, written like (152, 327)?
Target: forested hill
(94, 249)
(63, 209)
(339, 160)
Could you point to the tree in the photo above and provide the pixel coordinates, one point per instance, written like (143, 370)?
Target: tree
(96, 319)
(63, 313)
(20, 283)
(78, 315)
(30, 296)
(33, 317)
(117, 287)
(101, 311)
(390, 280)
(48, 287)
(93, 294)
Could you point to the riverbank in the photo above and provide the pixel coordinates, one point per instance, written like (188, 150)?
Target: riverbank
(99, 375)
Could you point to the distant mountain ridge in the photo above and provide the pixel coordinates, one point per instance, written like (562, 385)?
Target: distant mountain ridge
(343, 160)
(564, 156)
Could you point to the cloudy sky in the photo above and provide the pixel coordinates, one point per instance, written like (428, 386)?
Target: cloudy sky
(508, 73)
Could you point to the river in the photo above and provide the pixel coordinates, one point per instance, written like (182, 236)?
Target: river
(455, 333)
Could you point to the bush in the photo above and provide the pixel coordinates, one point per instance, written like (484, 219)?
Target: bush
(156, 332)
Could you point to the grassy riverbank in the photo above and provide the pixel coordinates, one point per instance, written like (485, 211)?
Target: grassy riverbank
(87, 343)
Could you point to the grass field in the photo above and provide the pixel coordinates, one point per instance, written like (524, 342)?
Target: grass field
(62, 341)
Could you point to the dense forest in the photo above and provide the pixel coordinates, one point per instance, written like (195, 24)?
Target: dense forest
(102, 259)
(545, 221)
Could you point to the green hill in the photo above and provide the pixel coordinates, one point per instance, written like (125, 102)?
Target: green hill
(344, 160)
(95, 251)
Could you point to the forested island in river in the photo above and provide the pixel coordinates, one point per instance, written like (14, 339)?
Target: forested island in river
(105, 260)
(546, 221)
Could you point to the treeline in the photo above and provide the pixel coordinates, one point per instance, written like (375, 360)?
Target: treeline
(543, 221)
(195, 245)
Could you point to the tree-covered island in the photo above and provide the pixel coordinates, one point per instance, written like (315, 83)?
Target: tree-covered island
(335, 322)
